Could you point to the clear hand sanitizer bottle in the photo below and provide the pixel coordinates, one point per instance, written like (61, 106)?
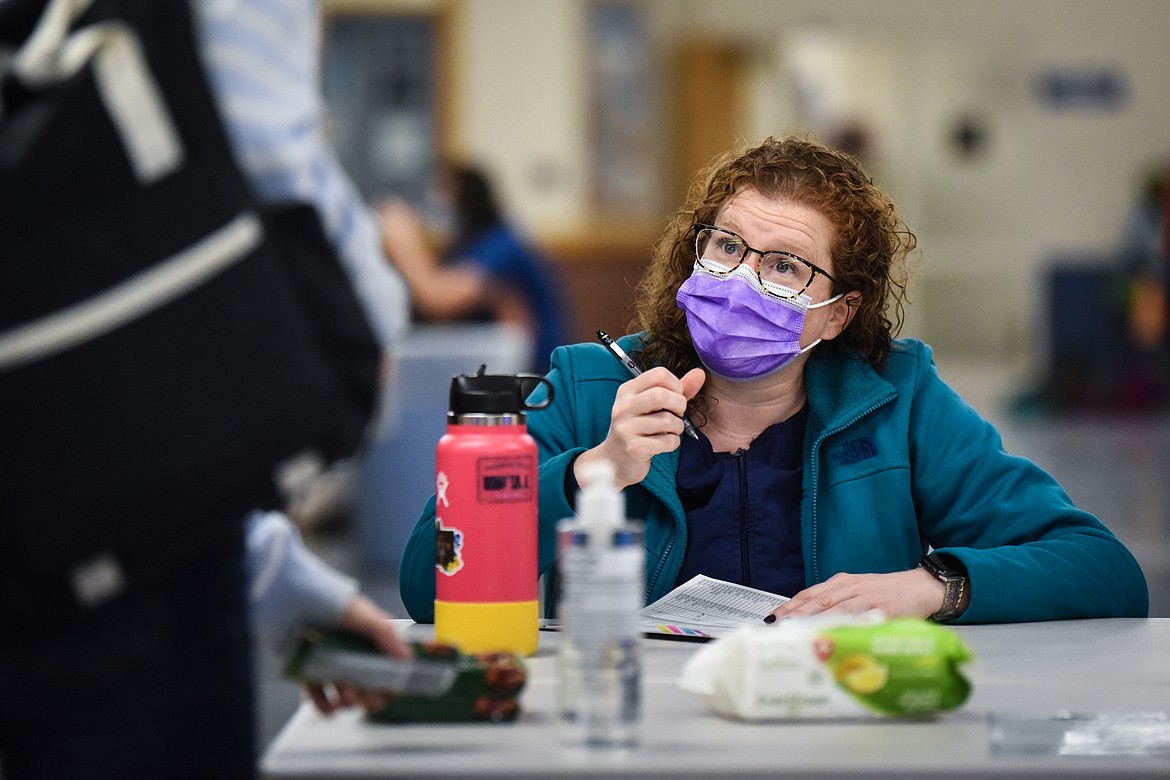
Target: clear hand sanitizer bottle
(602, 566)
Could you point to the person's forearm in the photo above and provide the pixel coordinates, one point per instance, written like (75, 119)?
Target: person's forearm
(289, 586)
(445, 294)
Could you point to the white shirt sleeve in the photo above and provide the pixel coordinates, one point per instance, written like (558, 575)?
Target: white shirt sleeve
(290, 588)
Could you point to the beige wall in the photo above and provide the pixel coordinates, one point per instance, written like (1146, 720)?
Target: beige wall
(1051, 181)
(523, 86)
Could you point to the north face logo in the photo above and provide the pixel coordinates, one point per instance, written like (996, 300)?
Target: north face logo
(854, 451)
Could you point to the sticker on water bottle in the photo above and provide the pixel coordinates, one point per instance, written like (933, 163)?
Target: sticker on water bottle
(448, 548)
(504, 480)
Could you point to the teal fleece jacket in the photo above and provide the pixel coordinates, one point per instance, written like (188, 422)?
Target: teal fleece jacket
(894, 461)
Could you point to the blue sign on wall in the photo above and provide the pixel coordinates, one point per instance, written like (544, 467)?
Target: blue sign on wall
(1066, 89)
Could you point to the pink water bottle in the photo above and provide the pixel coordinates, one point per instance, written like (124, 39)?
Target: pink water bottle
(485, 516)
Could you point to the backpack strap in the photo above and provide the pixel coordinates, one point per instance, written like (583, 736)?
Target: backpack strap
(53, 53)
(135, 297)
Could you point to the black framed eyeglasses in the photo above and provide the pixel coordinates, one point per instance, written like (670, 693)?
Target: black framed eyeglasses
(782, 274)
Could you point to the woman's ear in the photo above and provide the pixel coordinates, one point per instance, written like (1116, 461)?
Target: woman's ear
(841, 314)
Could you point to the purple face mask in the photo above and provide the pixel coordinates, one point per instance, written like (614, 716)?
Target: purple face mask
(739, 331)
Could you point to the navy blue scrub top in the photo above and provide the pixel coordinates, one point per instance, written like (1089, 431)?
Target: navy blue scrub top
(743, 509)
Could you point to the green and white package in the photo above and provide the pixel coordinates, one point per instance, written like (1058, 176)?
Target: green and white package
(832, 667)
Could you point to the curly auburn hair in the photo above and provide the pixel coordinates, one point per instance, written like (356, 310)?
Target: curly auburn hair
(868, 251)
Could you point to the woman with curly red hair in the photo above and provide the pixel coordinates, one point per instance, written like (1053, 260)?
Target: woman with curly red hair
(832, 463)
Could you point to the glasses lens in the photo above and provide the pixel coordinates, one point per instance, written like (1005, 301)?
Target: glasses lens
(718, 251)
(777, 268)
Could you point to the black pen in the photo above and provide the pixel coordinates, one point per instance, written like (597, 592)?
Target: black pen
(636, 370)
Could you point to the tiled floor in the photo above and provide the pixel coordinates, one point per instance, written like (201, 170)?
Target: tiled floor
(1118, 469)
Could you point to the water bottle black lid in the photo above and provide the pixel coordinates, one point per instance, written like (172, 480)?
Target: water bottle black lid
(484, 393)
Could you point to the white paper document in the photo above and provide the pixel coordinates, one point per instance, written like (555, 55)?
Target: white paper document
(705, 608)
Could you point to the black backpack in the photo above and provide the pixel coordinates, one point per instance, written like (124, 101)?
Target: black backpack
(164, 343)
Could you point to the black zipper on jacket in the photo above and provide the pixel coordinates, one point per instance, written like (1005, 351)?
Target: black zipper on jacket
(745, 559)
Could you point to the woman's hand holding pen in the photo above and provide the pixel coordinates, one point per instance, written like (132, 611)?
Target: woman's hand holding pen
(646, 420)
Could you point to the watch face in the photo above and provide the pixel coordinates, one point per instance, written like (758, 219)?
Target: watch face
(934, 564)
(930, 563)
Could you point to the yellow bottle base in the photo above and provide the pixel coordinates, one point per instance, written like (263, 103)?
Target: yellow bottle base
(509, 627)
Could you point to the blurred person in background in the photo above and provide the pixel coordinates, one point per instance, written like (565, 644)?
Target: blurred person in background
(1108, 351)
(485, 269)
(1145, 258)
(262, 59)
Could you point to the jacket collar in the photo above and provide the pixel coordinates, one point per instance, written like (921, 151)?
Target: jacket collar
(842, 388)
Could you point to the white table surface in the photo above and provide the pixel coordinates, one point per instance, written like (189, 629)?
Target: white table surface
(1090, 667)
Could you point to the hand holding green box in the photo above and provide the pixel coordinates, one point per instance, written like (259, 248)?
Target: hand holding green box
(439, 684)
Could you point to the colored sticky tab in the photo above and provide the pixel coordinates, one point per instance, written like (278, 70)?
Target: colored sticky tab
(682, 631)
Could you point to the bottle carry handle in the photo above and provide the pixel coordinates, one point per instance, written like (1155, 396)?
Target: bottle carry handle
(538, 380)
